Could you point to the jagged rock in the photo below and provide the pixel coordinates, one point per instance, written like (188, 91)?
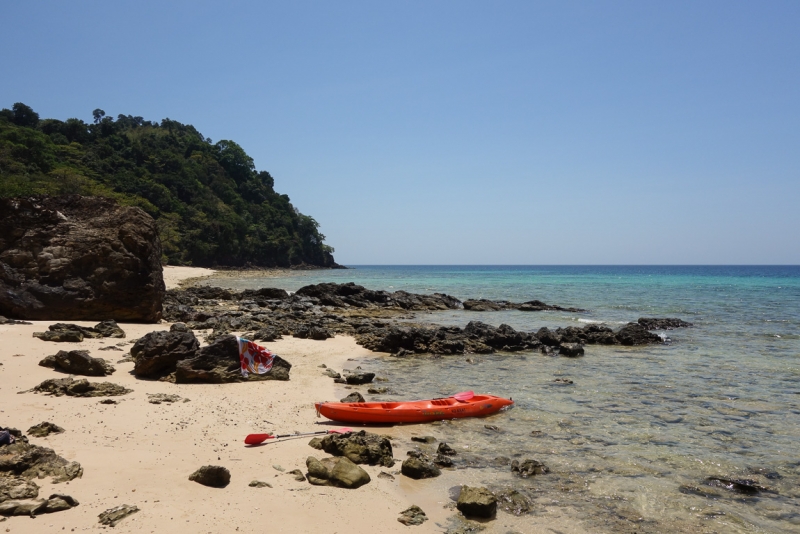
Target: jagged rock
(339, 472)
(353, 397)
(22, 459)
(571, 350)
(213, 476)
(17, 488)
(80, 258)
(158, 352)
(318, 333)
(548, 337)
(413, 515)
(218, 363)
(79, 388)
(78, 362)
(418, 468)
(110, 329)
(331, 373)
(446, 449)
(636, 334)
(268, 293)
(443, 461)
(476, 502)
(158, 398)
(44, 429)
(113, 516)
(359, 377)
(513, 502)
(64, 336)
(528, 468)
(267, 334)
(360, 447)
(423, 439)
(667, 323)
(298, 475)
(260, 484)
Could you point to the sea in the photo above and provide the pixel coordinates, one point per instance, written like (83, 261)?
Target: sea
(645, 439)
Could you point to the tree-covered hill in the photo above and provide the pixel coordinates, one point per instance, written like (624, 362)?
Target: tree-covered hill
(211, 205)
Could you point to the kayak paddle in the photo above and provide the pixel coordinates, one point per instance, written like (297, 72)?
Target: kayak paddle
(463, 396)
(255, 439)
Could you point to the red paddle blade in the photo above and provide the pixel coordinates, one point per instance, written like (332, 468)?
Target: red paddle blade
(463, 396)
(255, 439)
(340, 431)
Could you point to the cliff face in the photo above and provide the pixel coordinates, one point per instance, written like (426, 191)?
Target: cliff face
(78, 258)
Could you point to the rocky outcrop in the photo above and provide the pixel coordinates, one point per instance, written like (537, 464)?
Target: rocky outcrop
(636, 334)
(531, 305)
(79, 388)
(44, 429)
(157, 353)
(61, 332)
(77, 362)
(667, 323)
(218, 363)
(412, 516)
(476, 502)
(31, 507)
(338, 472)
(360, 447)
(213, 476)
(78, 258)
(24, 460)
(528, 468)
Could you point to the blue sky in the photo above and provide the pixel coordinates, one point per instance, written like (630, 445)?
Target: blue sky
(457, 132)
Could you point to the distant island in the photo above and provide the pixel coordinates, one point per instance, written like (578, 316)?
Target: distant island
(212, 207)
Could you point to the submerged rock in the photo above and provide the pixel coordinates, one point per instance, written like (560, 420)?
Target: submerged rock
(513, 502)
(636, 334)
(667, 323)
(739, 485)
(338, 472)
(528, 468)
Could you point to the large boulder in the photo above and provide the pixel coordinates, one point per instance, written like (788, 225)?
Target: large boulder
(636, 334)
(419, 467)
(360, 447)
(79, 258)
(218, 363)
(476, 502)
(158, 352)
(339, 472)
(78, 362)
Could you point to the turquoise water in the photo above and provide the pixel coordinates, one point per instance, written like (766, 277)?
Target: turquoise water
(640, 427)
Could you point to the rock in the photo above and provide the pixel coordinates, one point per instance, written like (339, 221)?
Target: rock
(110, 328)
(738, 485)
(67, 336)
(412, 515)
(267, 334)
(446, 449)
(318, 333)
(29, 507)
(218, 363)
(493, 428)
(386, 476)
(360, 447)
(443, 461)
(528, 468)
(260, 484)
(548, 337)
(80, 258)
(571, 350)
(564, 381)
(79, 388)
(298, 475)
(59, 502)
(179, 327)
(331, 373)
(17, 488)
(78, 362)
(22, 459)
(359, 377)
(418, 468)
(108, 401)
(112, 347)
(158, 398)
(213, 476)
(44, 429)
(636, 334)
(113, 516)
(353, 397)
(157, 353)
(6, 321)
(339, 472)
(513, 502)
(315, 443)
(423, 439)
(476, 502)
(667, 323)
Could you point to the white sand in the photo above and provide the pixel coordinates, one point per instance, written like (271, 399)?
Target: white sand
(173, 275)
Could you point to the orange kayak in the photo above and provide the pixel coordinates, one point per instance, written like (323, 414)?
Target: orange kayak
(412, 411)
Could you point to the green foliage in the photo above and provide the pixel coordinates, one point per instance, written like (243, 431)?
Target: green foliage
(211, 205)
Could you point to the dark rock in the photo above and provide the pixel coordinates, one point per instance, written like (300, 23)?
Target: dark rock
(446, 449)
(745, 486)
(360, 447)
(159, 352)
(158, 398)
(213, 476)
(636, 334)
(78, 362)
(67, 336)
(112, 347)
(113, 516)
(476, 502)
(260, 484)
(318, 333)
(29, 461)
(548, 337)
(179, 327)
(353, 397)
(44, 429)
(418, 468)
(338, 472)
(298, 475)
(59, 502)
(17, 488)
(359, 377)
(528, 468)
(493, 428)
(267, 334)
(571, 350)
(268, 293)
(218, 363)
(29, 507)
(377, 391)
(423, 439)
(412, 515)
(79, 388)
(315, 443)
(110, 329)
(6, 321)
(513, 502)
(667, 323)
(80, 258)
(484, 305)
(564, 381)
(331, 373)
(443, 461)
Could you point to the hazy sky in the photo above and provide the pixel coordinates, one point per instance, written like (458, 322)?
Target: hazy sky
(463, 132)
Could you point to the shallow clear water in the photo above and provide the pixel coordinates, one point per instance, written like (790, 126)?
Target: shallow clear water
(637, 425)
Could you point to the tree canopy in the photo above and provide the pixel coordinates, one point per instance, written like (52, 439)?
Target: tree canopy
(211, 204)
